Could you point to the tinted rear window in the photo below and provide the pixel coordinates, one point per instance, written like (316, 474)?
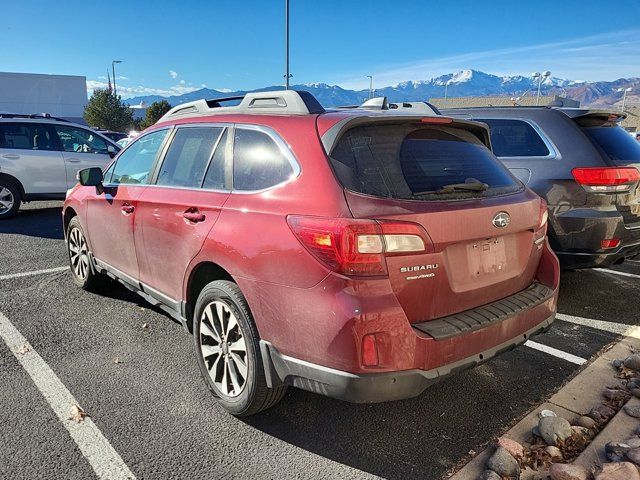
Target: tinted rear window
(620, 147)
(515, 138)
(402, 161)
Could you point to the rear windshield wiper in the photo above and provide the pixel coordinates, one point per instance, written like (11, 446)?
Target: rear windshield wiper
(466, 187)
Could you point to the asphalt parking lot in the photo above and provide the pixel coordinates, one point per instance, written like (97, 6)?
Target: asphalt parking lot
(141, 387)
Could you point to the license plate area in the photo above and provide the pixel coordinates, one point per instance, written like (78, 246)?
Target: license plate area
(487, 257)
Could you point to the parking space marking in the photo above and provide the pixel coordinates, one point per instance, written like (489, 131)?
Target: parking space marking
(612, 327)
(34, 272)
(102, 457)
(615, 272)
(556, 353)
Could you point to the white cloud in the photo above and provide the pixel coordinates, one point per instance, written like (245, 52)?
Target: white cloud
(173, 74)
(122, 78)
(182, 82)
(140, 90)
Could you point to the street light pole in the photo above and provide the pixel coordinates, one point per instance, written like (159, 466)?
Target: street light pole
(624, 95)
(286, 41)
(540, 76)
(446, 87)
(113, 70)
(370, 77)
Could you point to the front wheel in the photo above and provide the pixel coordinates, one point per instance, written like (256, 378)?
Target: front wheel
(228, 350)
(81, 269)
(9, 199)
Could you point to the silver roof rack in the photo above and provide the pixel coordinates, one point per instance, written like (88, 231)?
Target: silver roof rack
(290, 102)
(382, 103)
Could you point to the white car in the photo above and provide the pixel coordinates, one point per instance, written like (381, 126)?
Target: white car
(40, 156)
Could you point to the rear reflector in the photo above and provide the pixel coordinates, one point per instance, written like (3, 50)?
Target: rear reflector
(606, 180)
(369, 350)
(436, 120)
(356, 247)
(610, 243)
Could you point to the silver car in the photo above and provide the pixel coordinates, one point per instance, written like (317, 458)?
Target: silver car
(40, 156)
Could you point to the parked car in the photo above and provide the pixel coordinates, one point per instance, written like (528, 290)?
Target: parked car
(40, 156)
(356, 254)
(584, 165)
(110, 134)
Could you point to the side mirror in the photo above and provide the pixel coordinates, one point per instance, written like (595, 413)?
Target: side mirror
(90, 177)
(111, 150)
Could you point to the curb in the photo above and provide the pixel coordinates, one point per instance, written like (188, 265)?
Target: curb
(572, 401)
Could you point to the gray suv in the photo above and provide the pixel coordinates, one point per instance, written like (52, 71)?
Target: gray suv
(584, 165)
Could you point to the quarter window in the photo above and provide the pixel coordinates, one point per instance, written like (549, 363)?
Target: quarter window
(79, 140)
(258, 161)
(134, 164)
(515, 138)
(215, 178)
(27, 136)
(188, 156)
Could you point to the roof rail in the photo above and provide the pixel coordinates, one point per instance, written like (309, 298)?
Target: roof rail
(31, 115)
(292, 102)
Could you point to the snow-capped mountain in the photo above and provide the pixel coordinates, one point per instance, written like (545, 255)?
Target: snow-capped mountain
(459, 84)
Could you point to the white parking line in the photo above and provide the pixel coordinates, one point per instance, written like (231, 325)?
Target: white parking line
(613, 327)
(556, 353)
(615, 272)
(102, 457)
(34, 272)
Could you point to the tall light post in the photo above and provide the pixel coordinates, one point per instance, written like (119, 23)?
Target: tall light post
(446, 87)
(540, 77)
(113, 70)
(287, 75)
(370, 77)
(624, 95)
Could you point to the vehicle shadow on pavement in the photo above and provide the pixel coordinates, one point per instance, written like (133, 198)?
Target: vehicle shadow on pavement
(36, 222)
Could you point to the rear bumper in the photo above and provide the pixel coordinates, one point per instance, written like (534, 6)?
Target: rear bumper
(375, 387)
(573, 260)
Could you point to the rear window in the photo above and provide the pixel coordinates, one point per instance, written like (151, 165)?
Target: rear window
(405, 162)
(620, 147)
(515, 138)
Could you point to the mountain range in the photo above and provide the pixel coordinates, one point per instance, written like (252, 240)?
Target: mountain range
(464, 83)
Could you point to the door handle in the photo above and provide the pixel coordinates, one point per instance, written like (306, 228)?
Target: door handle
(127, 209)
(73, 160)
(11, 156)
(194, 216)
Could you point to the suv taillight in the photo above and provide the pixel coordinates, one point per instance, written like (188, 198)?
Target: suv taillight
(357, 247)
(606, 179)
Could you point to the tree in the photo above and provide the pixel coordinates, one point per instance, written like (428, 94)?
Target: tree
(106, 110)
(155, 111)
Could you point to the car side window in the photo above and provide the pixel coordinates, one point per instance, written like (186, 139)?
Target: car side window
(134, 164)
(27, 136)
(515, 138)
(188, 155)
(215, 177)
(79, 140)
(258, 161)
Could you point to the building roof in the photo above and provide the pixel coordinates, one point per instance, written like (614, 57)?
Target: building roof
(503, 101)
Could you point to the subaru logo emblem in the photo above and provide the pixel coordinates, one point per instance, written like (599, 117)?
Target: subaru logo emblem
(501, 220)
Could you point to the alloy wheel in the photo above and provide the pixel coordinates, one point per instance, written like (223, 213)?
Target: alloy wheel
(6, 200)
(78, 253)
(223, 348)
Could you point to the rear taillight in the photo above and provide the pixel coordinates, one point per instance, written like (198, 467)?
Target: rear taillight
(606, 180)
(610, 243)
(356, 247)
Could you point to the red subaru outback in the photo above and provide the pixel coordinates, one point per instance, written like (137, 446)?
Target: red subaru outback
(355, 254)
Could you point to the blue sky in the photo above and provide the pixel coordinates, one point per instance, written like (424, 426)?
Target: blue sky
(170, 47)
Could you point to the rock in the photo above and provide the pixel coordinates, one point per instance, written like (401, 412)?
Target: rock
(536, 431)
(546, 413)
(633, 383)
(503, 463)
(634, 455)
(554, 429)
(615, 394)
(514, 448)
(635, 392)
(632, 362)
(577, 430)
(616, 451)
(617, 363)
(565, 471)
(601, 414)
(490, 475)
(633, 442)
(633, 410)
(554, 453)
(618, 471)
(586, 422)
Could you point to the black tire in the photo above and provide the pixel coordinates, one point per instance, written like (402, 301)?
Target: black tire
(13, 195)
(86, 277)
(254, 395)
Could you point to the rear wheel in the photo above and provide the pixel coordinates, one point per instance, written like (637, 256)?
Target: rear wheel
(228, 350)
(9, 199)
(81, 269)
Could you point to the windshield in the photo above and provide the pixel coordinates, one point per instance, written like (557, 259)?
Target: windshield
(616, 143)
(405, 162)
